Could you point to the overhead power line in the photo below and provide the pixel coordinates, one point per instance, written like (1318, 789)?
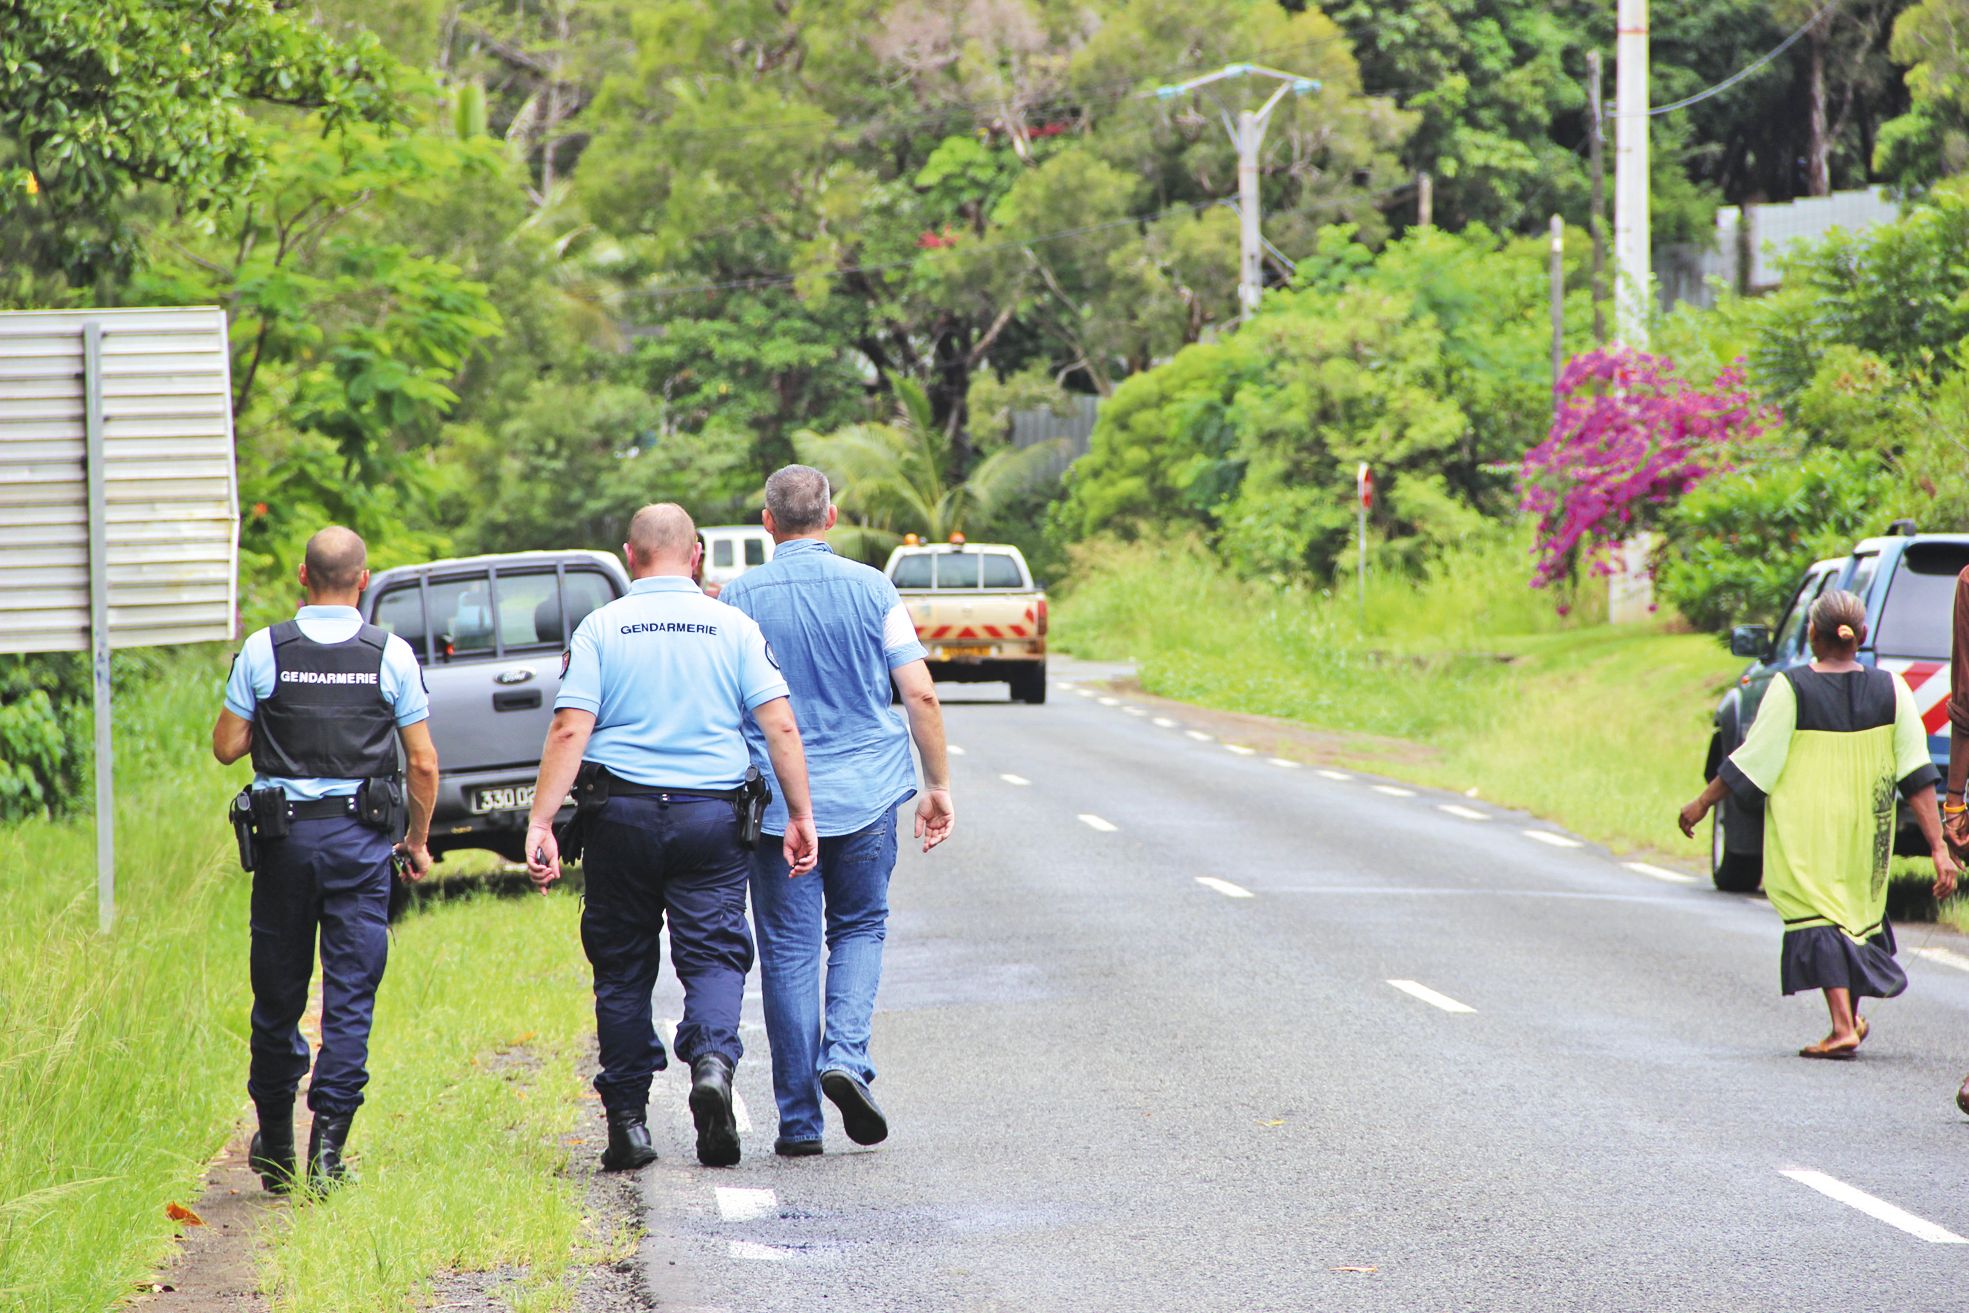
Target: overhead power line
(1747, 69)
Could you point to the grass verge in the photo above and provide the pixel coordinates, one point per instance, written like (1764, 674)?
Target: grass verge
(122, 1057)
(461, 1150)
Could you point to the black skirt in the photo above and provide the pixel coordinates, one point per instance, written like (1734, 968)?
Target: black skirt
(1821, 957)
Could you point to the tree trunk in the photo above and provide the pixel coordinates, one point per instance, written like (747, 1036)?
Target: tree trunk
(1818, 153)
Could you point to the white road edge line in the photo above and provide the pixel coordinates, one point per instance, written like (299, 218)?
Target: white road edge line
(1948, 957)
(1878, 1209)
(741, 1204)
(1110, 702)
(1430, 996)
(1198, 735)
(1163, 722)
(1467, 813)
(953, 749)
(757, 1252)
(1015, 779)
(1240, 750)
(1554, 838)
(1135, 711)
(1336, 775)
(1224, 887)
(1094, 822)
(1283, 763)
(1084, 692)
(1673, 877)
(1394, 791)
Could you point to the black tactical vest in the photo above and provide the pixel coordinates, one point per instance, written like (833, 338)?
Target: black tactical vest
(326, 717)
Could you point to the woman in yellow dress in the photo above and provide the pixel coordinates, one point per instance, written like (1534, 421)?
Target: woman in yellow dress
(1831, 745)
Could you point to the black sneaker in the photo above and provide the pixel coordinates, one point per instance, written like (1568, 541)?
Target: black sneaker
(861, 1116)
(711, 1109)
(786, 1148)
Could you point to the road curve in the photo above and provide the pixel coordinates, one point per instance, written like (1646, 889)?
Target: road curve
(1178, 1026)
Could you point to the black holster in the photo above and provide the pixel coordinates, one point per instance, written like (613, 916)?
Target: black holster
(590, 794)
(754, 796)
(240, 813)
(257, 815)
(382, 804)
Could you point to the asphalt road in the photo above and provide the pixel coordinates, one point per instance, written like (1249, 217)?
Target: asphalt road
(1116, 1085)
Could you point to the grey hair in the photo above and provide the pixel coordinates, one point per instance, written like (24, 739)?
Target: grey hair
(1839, 620)
(798, 497)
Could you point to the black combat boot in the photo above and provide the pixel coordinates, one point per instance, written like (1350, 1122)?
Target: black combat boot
(326, 1169)
(629, 1144)
(272, 1151)
(711, 1109)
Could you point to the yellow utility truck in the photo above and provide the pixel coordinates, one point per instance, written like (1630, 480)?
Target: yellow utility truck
(977, 611)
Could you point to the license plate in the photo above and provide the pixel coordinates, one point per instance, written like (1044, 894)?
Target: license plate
(960, 652)
(504, 798)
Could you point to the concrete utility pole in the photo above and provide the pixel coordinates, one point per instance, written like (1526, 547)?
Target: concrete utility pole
(1247, 132)
(1425, 199)
(1558, 278)
(1630, 181)
(1596, 218)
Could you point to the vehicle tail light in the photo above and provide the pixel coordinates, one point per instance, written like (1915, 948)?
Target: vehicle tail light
(1042, 617)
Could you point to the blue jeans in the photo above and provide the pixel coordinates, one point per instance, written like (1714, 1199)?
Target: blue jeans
(648, 859)
(847, 896)
(330, 876)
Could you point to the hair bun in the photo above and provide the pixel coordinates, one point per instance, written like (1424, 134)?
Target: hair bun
(1846, 632)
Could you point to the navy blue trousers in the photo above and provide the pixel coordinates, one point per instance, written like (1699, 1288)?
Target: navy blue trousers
(329, 877)
(647, 859)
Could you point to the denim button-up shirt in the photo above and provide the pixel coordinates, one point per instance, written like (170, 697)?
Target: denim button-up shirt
(837, 628)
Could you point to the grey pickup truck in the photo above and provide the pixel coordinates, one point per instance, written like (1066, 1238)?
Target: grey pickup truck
(489, 632)
(1907, 581)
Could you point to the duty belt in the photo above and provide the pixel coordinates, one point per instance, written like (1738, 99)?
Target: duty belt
(621, 788)
(322, 808)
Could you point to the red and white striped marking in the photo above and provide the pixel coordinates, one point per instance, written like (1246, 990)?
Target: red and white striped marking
(1930, 684)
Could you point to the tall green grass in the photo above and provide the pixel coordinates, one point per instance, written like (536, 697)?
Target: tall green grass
(122, 1057)
(1487, 686)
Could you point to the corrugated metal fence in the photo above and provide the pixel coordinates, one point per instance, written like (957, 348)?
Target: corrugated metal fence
(1071, 430)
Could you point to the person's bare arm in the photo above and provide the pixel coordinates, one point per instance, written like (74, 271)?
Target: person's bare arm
(420, 757)
(935, 815)
(560, 759)
(1927, 816)
(800, 847)
(232, 737)
(1692, 815)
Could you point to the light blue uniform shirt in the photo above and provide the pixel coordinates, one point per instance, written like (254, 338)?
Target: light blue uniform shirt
(838, 629)
(669, 675)
(401, 682)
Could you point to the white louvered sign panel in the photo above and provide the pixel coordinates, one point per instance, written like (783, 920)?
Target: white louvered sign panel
(171, 505)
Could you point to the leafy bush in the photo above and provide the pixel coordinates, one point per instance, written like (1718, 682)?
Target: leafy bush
(44, 731)
(1737, 545)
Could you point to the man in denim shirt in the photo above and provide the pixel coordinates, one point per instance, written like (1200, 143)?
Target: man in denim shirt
(840, 634)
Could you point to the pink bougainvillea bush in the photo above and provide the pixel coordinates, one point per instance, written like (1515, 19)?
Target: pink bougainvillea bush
(1628, 439)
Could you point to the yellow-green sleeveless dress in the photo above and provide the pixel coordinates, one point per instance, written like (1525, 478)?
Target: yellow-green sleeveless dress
(1826, 756)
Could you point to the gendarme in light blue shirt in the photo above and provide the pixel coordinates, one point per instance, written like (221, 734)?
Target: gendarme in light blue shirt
(838, 629)
(669, 675)
(401, 682)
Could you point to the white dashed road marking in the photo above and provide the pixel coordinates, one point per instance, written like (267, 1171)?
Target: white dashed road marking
(1110, 702)
(757, 1253)
(738, 1204)
(1393, 791)
(953, 750)
(1281, 761)
(1224, 887)
(1946, 956)
(740, 1117)
(1430, 996)
(1085, 692)
(1015, 779)
(1198, 735)
(1878, 1209)
(1552, 837)
(1240, 750)
(1673, 877)
(1336, 775)
(1094, 822)
(1467, 813)
(1163, 722)
(1135, 711)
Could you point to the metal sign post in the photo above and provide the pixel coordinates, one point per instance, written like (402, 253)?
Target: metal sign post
(119, 511)
(1364, 495)
(92, 436)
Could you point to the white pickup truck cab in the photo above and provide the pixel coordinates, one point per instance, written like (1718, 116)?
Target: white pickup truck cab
(977, 611)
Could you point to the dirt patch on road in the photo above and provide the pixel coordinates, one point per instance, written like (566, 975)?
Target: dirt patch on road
(1281, 738)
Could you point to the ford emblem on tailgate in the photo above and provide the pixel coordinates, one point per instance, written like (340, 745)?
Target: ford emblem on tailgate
(519, 676)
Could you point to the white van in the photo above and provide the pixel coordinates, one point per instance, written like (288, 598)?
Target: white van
(732, 549)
